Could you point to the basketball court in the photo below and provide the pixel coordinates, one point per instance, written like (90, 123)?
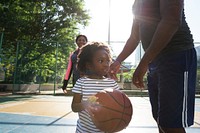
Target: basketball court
(52, 114)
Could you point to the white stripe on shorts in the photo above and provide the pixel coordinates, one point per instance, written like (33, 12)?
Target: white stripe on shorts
(184, 111)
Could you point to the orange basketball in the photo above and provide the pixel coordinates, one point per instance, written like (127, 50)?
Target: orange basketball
(114, 112)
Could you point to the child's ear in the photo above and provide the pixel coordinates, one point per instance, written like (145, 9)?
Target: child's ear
(88, 66)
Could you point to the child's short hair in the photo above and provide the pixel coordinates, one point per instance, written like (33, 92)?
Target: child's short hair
(87, 53)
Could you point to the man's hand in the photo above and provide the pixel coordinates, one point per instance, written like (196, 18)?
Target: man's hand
(138, 75)
(114, 68)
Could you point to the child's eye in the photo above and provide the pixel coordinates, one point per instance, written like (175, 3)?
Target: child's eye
(100, 61)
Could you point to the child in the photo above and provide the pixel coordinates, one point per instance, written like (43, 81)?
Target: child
(94, 62)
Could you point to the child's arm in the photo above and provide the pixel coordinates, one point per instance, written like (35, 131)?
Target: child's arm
(77, 105)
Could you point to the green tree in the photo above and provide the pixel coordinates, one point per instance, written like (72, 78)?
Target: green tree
(37, 26)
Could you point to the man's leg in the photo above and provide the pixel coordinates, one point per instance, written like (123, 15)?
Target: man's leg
(177, 92)
(171, 130)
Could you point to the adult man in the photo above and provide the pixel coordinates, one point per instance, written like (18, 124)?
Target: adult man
(170, 57)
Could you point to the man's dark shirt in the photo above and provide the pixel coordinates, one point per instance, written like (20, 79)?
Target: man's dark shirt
(147, 13)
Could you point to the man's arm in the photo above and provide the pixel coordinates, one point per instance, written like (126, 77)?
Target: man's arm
(171, 17)
(131, 43)
(129, 47)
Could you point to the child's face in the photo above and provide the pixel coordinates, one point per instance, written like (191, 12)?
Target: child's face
(81, 41)
(101, 63)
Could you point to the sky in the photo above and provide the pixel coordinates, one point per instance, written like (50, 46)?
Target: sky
(121, 21)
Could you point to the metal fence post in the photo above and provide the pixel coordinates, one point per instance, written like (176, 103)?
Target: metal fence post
(56, 68)
(1, 42)
(16, 62)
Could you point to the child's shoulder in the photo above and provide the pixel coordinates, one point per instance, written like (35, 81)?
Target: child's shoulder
(111, 79)
(83, 78)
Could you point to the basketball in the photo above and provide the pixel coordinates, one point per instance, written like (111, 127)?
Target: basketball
(114, 110)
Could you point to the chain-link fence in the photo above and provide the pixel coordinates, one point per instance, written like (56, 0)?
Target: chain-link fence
(36, 68)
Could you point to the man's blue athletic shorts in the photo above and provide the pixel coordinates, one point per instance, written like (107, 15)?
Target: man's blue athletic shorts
(171, 84)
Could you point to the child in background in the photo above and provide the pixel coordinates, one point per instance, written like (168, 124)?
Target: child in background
(94, 62)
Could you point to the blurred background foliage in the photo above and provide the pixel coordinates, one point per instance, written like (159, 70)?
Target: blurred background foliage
(37, 36)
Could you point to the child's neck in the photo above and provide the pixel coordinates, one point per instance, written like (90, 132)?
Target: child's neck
(95, 77)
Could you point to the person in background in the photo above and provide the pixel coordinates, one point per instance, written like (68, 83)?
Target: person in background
(81, 40)
(94, 62)
(170, 58)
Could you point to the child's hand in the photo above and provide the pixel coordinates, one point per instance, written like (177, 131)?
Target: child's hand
(91, 105)
(92, 99)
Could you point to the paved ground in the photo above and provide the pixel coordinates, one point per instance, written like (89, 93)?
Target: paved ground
(52, 114)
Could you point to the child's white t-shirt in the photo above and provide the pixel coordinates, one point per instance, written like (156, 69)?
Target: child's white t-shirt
(88, 87)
